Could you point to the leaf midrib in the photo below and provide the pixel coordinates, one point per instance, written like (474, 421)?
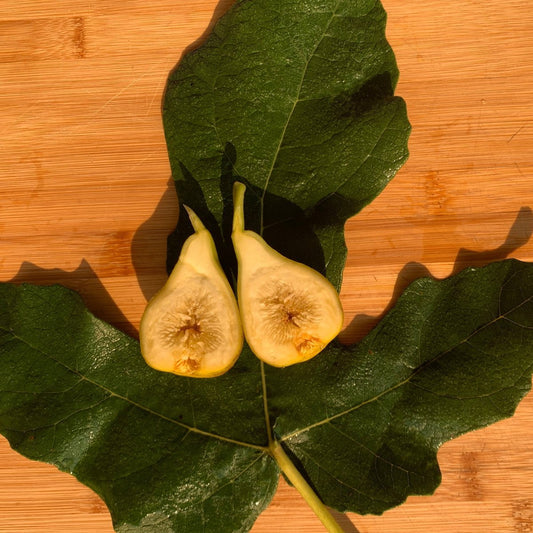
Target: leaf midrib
(265, 187)
(291, 112)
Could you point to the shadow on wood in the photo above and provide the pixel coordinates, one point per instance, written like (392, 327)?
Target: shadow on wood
(84, 281)
(519, 235)
(344, 522)
(149, 243)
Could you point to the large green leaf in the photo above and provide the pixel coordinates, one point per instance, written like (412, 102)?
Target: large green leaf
(165, 454)
(177, 454)
(451, 357)
(295, 98)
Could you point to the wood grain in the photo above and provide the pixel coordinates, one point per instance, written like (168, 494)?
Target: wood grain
(85, 201)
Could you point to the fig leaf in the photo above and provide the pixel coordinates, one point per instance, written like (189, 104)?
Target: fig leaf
(296, 100)
(362, 424)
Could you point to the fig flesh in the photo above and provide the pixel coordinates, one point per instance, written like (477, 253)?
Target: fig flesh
(289, 311)
(192, 327)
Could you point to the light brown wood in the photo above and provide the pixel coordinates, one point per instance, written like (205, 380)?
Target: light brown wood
(85, 201)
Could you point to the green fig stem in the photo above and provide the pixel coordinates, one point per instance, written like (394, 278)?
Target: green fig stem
(301, 485)
(195, 220)
(238, 206)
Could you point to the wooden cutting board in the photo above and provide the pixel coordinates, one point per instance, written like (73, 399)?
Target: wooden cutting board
(85, 201)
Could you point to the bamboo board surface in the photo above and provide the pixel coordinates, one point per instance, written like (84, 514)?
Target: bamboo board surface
(85, 201)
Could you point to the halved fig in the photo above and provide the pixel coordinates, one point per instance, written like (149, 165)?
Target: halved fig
(192, 327)
(289, 311)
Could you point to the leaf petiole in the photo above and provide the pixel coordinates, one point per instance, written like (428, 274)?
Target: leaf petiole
(301, 485)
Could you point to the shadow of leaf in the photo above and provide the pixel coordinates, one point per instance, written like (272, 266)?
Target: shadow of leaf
(149, 246)
(84, 281)
(519, 234)
(220, 9)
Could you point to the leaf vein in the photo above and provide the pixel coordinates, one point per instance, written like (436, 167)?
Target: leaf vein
(405, 381)
(135, 404)
(371, 452)
(340, 481)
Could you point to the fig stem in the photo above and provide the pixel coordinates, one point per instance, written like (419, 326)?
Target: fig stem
(301, 485)
(195, 219)
(238, 206)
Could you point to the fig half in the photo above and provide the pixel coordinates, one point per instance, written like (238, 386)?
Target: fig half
(192, 327)
(289, 311)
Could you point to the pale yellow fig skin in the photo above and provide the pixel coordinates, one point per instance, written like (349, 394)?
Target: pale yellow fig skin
(192, 326)
(289, 312)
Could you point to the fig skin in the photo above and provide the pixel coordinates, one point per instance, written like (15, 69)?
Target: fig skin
(191, 327)
(289, 312)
